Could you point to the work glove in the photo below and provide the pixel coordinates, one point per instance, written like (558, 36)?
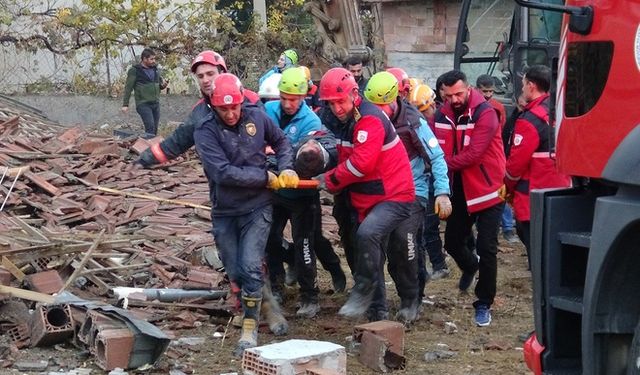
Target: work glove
(288, 179)
(502, 192)
(443, 206)
(272, 181)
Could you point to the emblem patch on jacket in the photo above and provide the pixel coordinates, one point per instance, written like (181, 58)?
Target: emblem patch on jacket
(517, 139)
(433, 142)
(251, 129)
(362, 136)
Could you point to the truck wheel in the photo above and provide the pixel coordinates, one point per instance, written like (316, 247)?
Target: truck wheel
(633, 365)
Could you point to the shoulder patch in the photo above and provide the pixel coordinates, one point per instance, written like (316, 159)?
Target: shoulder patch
(517, 139)
(362, 136)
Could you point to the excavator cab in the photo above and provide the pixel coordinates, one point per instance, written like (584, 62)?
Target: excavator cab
(499, 38)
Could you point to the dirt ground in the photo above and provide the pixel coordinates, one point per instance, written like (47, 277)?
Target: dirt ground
(496, 349)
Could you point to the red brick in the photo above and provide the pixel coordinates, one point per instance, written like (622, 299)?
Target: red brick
(51, 324)
(393, 332)
(113, 348)
(47, 282)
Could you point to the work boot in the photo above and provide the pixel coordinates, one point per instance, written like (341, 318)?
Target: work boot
(358, 301)
(338, 279)
(249, 336)
(308, 309)
(466, 280)
(273, 314)
(291, 275)
(510, 236)
(375, 315)
(408, 313)
(277, 289)
(442, 273)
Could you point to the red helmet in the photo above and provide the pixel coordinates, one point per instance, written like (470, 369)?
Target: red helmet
(337, 83)
(227, 90)
(209, 57)
(402, 77)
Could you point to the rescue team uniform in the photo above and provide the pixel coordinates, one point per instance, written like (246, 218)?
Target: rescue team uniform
(427, 160)
(181, 139)
(374, 170)
(302, 208)
(473, 149)
(234, 161)
(531, 164)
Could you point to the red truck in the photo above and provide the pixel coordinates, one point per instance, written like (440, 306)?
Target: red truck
(585, 240)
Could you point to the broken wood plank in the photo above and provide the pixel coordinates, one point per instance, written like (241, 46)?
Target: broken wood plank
(27, 294)
(84, 261)
(15, 271)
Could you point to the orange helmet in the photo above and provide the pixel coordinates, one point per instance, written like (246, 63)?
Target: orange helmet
(209, 57)
(422, 96)
(307, 72)
(413, 82)
(402, 77)
(337, 83)
(227, 90)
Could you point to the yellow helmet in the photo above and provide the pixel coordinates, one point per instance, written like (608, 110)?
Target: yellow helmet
(307, 72)
(413, 82)
(422, 96)
(382, 88)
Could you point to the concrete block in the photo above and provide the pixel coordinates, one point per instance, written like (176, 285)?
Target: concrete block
(293, 357)
(113, 348)
(392, 332)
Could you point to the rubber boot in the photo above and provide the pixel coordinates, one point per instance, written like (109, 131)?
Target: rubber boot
(272, 313)
(238, 314)
(409, 311)
(359, 300)
(249, 336)
(338, 279)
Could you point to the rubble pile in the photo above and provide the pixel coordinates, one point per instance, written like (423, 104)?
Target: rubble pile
(77, 216)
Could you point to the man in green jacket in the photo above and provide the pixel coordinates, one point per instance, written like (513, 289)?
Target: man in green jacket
(146, 81)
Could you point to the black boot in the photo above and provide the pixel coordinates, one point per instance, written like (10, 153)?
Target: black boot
(409, 309)
(359, 299)
(249, 337)
(338, 279)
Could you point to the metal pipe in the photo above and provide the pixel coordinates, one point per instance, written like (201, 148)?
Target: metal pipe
(168, 295)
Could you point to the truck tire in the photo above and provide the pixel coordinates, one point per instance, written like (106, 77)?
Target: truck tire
(633, 365)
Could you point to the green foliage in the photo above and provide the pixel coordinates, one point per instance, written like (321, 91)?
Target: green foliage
(176, 30)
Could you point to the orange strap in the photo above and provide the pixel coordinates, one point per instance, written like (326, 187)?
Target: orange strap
(158, 154)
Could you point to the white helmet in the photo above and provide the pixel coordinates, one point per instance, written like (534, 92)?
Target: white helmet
(269, 87)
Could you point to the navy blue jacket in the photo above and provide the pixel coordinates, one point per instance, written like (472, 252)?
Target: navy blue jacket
(234, 160)
(181, 139)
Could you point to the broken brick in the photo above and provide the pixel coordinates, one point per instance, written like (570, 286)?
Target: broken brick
(47, 282)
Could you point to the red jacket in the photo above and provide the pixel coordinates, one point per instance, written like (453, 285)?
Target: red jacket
(502, 113)
(373, 165)
(531, 165)
(472, 145)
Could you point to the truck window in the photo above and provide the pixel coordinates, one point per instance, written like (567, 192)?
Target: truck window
(588, 65)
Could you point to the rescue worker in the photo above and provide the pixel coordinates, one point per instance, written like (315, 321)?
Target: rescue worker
(530, 164)
(425, 157)
(287, 59)
(354, 64)
(301, 207)
(231, 145)
(269, 88)
(469, 133)
(206, 67)
(374, 170)
(313, 95)
(403, 78)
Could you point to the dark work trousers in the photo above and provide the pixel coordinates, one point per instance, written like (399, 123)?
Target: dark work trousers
(523, 228)
(430, 244)
(300, 211)
(241, 242)
(456, 237)
(347, 220)
(402, 254)
(150, 114)
(372, 240)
